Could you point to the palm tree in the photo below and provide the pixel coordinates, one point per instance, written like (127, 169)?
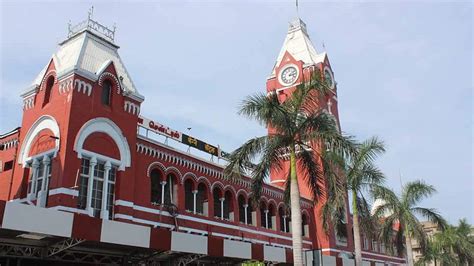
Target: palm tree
(361, 175)
(301, 130)
(399, 216)
(452, 246)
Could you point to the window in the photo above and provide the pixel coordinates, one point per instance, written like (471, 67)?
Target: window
(47, 91)
(216, 194)
(188, 195)
(304, 226)
(155, 177)
(106, 92)
(8, 166)
(242, 209)
(169, 190)
(263, 215)
(102, 191)
(374, 245)
(38, 182)
(202, 202)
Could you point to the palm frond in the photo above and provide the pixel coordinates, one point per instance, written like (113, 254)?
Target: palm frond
(415, 191)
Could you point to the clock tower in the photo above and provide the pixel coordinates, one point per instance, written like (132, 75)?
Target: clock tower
(296, 61)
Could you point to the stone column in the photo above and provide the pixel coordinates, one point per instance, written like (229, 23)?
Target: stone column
(105, 191)
(34, 176)
(194, 200)
(90, 184)
(266, 218)
(245, 210)
(163, 184)
(284, 223)
(42, 194)
(222, 208)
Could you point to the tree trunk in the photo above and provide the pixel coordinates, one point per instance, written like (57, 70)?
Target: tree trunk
(409, 249)
(295, 212)
(356, 227)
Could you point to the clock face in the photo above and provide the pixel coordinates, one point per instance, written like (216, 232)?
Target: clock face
(288, 75)
(328, 77)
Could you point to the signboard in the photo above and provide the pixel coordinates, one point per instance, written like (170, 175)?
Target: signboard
(178, 136)
(200, 145)
(159, 128)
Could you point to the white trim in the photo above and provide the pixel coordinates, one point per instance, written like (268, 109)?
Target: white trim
(283, 69)
(100, 157)
(142, 221)
(68, 209)
(205, 221)
(44, 122)
(63, 190)
(107, 126)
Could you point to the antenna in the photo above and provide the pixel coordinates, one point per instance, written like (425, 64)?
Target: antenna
(297, 11)
(91, 12)
(400, 177)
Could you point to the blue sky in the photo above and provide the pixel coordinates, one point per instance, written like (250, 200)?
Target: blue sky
(404, 72)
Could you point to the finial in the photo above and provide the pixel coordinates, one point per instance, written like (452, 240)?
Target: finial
(324, 46)
(115, 26)
(297, 13)
(91, 12)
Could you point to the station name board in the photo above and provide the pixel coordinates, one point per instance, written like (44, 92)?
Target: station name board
(158, 128)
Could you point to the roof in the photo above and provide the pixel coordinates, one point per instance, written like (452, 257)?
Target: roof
(89, 54)
(299, 45)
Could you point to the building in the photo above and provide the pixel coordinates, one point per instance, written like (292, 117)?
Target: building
(430, 229)
(84, 180)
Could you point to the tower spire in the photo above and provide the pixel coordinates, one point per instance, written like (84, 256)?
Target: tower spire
(297, 10)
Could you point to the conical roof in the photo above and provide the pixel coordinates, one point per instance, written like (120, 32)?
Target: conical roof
(89, 54)
(299, 45)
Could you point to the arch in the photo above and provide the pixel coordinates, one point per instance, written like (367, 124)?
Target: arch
(109, 76)
(48, 90)
(105, 125)
(154, 165)
(189, 187)
(106, 93)
(51, 73)
(217, 183)
(44, 122)
(156, 176)
(272, 202)
(176, 172)
(305, 212)
(189, 175)
(242, 192)
(202, 198)
(282, 205)
(205, 180)
(231, 188)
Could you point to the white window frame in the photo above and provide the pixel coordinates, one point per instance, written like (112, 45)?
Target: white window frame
(38, 173)
(109, 164)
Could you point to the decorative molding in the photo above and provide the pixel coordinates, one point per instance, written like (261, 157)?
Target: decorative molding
(44, 122)
(154, 165)
(66, 85)
(9, 144)
(131, 107)
(108, 75)
(46, 77)
(29, 102)
(107, 126)
(83, 86)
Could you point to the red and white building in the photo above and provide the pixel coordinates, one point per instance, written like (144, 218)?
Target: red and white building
(83, 179)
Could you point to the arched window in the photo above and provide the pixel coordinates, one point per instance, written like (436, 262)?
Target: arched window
(282, 217)
(169, 190)
(271, 217)
(251, 215)
(106, 92)
(242, 209)
(202, 202)
(228, 206)
(263, 215)
(189, 195)
(155, 177)
(217, 197)
(304, 225)
(47, 91)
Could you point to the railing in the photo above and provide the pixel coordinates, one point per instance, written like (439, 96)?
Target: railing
(94, 26)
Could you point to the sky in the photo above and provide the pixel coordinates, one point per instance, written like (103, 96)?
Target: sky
(404, 72)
